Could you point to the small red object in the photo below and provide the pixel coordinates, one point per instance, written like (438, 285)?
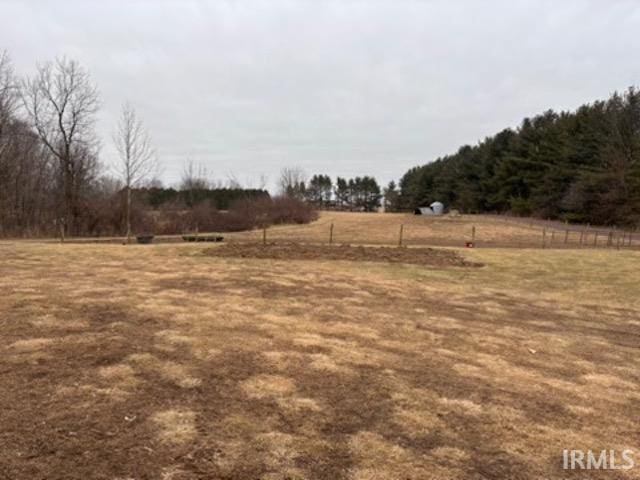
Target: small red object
(469, 244)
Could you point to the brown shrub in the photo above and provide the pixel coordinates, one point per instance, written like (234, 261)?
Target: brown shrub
(277, 210)
(107, 216)
(243, 215)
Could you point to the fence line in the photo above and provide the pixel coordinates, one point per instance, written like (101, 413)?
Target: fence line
(410, 234)
(411, 231)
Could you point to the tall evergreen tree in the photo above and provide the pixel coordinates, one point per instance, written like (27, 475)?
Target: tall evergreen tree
(578, 166)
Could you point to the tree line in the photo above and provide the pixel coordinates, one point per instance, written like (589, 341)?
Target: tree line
(580, 166)
(51, 179)
(354, 194)
(53, 183)
(221, 198)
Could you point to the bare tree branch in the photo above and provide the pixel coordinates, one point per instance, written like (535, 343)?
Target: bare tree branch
(61, 102)
(9, 94)
(292, 182)
(137, 158)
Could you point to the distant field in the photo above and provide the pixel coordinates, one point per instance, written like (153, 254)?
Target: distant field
(173, 362)
(490, 231)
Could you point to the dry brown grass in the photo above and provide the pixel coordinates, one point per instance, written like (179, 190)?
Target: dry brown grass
(161, 362)
(384, 229)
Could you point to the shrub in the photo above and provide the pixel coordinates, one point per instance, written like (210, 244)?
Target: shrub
(273, 211)
(245, 214)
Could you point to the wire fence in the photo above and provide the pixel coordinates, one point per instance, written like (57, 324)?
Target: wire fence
(507, 233)
(474, 231)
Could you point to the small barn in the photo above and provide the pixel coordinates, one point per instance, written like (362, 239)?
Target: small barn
(436, 208)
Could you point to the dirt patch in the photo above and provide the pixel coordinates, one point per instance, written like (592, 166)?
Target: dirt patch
(295, 251)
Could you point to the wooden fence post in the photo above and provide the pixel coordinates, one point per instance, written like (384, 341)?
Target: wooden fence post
(629, 242)
(473, 235)
(400, 236)
(553, 236)
(264, 235)
(544, 238)
(595, 239)
(331, 234)
(566, 237)
(610, 239)
(618, 242)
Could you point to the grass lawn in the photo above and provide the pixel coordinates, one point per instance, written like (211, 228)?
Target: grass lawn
(167, 362)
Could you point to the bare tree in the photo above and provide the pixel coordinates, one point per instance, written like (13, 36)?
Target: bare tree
(137, 157)
(61, 102)
(292, 182)
(233, 181)
(194, 178)
(262, 182)
(8, 98)
(25, 173)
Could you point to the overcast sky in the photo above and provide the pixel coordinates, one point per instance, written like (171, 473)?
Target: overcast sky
(339, 87)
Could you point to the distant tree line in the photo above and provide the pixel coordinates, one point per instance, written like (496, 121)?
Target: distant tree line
(581, 166)
(355, 194)
(220, 198)
(53, 183)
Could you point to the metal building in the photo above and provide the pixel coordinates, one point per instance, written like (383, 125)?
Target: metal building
(436, 208)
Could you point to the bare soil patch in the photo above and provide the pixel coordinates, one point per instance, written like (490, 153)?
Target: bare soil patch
(294, 251)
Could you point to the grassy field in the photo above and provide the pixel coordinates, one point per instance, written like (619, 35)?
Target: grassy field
(171, 362)
(453, 231)
(486, 231)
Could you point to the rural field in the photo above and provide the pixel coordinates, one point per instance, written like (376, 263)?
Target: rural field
(239, 360)
(450, 231)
